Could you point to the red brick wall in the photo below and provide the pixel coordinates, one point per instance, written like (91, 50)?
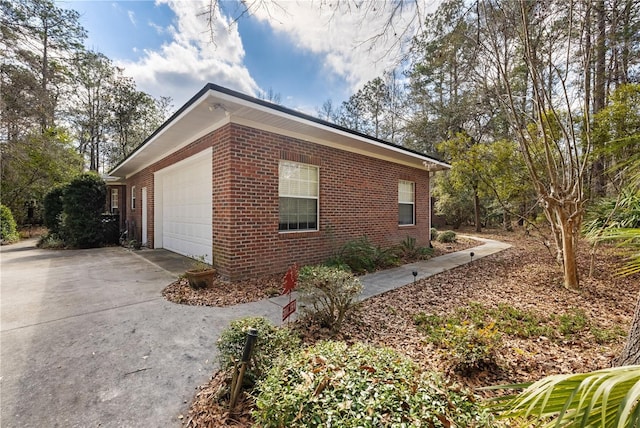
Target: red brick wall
(358, 196)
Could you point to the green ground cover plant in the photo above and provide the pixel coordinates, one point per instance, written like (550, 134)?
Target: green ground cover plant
(471, 334)
(332, 384)
(272, 342)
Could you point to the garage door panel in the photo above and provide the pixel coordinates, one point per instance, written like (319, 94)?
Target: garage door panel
(186, 204)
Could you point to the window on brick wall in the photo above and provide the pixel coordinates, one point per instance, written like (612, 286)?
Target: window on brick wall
(133, 197)
(114, 200)
(406, 203)
(298, 192)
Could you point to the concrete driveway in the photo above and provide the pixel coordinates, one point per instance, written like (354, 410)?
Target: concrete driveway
(86, 340)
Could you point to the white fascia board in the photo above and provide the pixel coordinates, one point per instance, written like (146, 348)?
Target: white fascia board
(160, 133)
(287, 116)
(184, 143)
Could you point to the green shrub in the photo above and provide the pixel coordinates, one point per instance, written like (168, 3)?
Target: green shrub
(471, 347)
(605, 335)
(8, 226)
(327, 294)
(50, 241)
(333, 385)
(361, 255)
(272, 342)
(336, 261)
(432, 326)
(53, 207)
(573, 322)
(83, 203)
(447, 236)
(408, 250)
(433, 233)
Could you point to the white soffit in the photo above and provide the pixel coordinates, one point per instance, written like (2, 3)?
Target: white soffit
(214, 109)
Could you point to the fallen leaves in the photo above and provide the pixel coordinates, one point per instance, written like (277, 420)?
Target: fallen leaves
(224, 293)
(525, 276)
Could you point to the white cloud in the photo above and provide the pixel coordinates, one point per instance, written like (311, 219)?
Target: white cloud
(190, 59)
(132, 16)
(356, 42)
(353, 42)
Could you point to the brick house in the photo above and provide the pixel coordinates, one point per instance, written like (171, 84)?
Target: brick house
(255, 186)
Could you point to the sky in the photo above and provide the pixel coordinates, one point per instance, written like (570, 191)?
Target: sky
(305, 51)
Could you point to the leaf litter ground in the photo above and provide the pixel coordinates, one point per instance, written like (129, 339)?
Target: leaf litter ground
(525, 277)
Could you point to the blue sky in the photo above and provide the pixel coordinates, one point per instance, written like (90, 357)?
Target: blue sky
(302, 50)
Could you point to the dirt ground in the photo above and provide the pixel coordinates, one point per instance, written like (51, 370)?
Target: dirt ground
(525, 277)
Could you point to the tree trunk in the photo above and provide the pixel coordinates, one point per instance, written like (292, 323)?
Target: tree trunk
(565, 225)
(631, 353)
(571, 280)
(599, 93)
(476, 209)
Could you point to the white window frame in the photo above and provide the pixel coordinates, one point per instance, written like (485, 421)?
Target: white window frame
(133, 198)
(403, 200)
(295, 191)
(115, 198)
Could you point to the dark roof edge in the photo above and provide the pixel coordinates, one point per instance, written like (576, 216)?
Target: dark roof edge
(213, 87)
(314, 119)
(166, 123)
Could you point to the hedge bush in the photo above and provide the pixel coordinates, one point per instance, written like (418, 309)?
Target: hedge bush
(272, 342)
(447, 236)
(333, 385)
(327, 294)
(433, 232)
(8, 226)
(83, 203)
(53, 209)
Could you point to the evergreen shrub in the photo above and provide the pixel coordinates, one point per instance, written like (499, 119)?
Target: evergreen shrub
(83, 204)
(272, 342)
(8, 226)
(447, 236)
(53, 209)
(332, 384)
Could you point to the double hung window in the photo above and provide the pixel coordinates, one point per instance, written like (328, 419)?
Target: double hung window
(406, 203)
(298, 192)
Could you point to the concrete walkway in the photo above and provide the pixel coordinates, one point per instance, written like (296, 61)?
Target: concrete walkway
(390, 279)
(86, 339)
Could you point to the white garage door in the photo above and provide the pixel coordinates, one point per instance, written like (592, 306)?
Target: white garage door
(182, 218)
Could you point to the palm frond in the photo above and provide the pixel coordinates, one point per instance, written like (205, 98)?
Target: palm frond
(628, 238)
(604, 398)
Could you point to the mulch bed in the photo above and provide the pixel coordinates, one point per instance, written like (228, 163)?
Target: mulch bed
(224, 293)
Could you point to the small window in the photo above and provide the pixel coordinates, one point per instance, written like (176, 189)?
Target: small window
(406, 203)
(114, 199)
(133, 197)
(298, 193)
